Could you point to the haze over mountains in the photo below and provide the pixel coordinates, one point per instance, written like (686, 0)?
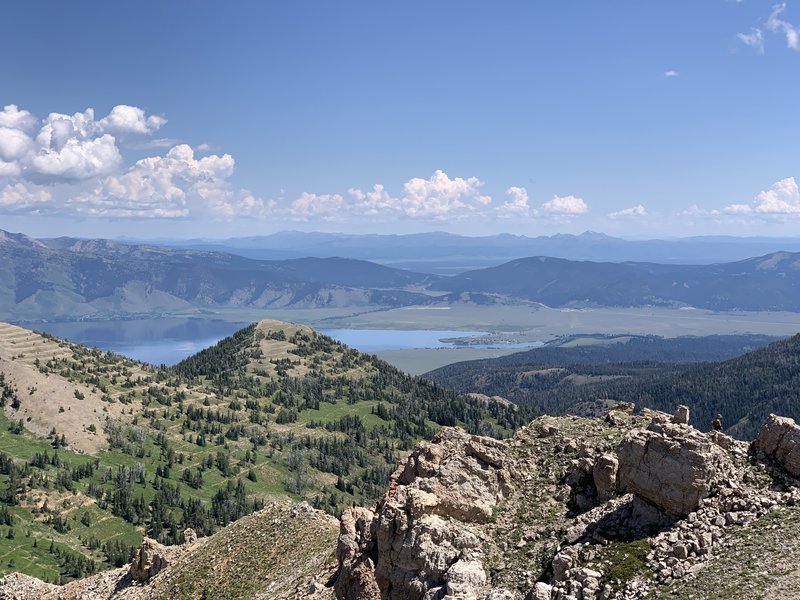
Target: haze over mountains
(68, 278)
(770, 282)
(447, 253)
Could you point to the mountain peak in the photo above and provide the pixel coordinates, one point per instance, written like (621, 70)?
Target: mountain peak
(19, 239)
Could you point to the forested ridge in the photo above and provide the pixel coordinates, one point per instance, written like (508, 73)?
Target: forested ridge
(274, 410)
(556, 380)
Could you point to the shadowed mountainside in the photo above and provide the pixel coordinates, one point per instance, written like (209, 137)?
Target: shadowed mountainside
(770, 282)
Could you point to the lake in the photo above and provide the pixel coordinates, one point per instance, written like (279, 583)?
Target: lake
(156, 341)
(377, 340)
(169, 340)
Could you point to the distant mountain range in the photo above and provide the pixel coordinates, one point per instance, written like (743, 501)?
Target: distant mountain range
(68, 278)
(769, 282)
(447, 253)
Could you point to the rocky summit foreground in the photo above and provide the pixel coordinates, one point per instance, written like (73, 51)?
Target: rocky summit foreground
(573, 509)
(629, 506)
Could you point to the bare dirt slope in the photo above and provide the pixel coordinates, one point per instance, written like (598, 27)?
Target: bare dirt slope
(283, 551)
(38, 369)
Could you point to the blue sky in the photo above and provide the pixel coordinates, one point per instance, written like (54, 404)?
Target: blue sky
(215, 119)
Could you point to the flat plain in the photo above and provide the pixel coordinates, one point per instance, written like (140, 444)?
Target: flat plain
(525, 322)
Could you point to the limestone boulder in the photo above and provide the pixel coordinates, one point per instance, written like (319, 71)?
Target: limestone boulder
(604, 473)
(151, 558)
(779, 437)
(671, 466)
(681, 415)
(418, 543)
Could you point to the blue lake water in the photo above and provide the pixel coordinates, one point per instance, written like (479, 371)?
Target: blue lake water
(169, 340)
(376, 340)
(155, 341)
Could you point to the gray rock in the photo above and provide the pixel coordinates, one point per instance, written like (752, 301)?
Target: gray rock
(149, 561)
(779, 437)
(604, 474)
(563, 562)
(681, 415)
(541, 591)
(670, 466)
(418, 544)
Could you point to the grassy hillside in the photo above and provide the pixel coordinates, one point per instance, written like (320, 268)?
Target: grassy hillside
(97, 450)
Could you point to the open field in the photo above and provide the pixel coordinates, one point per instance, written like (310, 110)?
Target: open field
(530, 322)
(536, 322)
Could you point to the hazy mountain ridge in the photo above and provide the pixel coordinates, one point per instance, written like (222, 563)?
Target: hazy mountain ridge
(770, 282)
(67, 278)
(440, 252)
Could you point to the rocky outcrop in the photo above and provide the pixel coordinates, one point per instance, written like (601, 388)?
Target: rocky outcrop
(17, 586)
(604, 473)
(356, 549)
(671, 466)
(150, 560)
(779, 438)
(681, 416)
(419, 543)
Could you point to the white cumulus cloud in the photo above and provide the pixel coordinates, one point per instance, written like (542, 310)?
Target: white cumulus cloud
(65, 148)
(377, 201)
(15, 118)
(565, 206)
(440, 196)
(325, 206)
(71, 148)
(230, 205)
(738, 209)
(633, 211)
(124, 120)
(15, 144)
(783, 198)
(76, 159)
(20, 196)
(162, 186)
(517, 204)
